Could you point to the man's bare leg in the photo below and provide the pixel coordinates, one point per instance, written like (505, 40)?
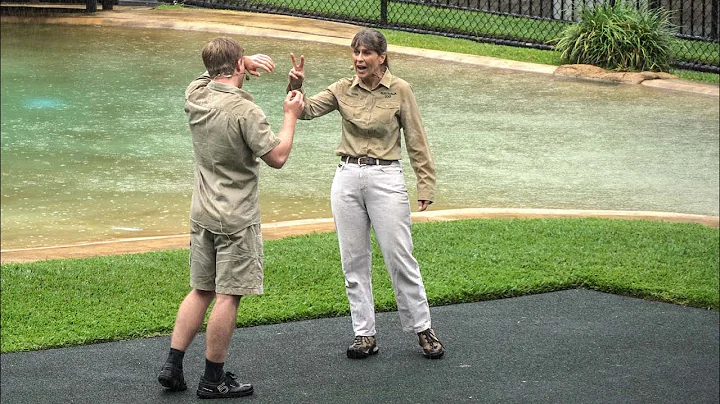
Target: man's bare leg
(221, 326)
(190, 317)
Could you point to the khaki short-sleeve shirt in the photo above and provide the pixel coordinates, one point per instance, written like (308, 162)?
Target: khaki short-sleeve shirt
(229, 133)
(371, 123)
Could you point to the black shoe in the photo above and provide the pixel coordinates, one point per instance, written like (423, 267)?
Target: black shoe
(431, 346)
(172, 378)
(362, 347)
(228, 386)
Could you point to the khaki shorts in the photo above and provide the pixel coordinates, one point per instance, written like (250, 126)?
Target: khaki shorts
(229, 264)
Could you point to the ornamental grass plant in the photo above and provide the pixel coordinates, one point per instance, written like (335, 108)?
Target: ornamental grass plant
(620, 37)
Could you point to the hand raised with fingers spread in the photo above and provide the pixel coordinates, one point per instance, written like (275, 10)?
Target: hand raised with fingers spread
(259, 61)
(297, 73)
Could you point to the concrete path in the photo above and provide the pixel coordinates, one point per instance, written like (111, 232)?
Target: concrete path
(574, 346)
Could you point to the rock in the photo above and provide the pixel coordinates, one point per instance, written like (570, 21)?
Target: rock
(598, 73)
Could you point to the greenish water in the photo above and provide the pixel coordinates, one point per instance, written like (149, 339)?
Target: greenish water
(95, 144)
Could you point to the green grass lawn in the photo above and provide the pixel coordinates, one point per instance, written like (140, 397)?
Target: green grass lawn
(70, 302)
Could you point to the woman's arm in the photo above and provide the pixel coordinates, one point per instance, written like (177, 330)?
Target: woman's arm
(418, 148)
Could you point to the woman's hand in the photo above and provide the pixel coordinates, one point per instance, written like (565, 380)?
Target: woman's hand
(422, 205)
(297, 73)
(259, 61)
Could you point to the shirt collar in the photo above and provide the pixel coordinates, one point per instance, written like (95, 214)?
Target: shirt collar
(229, 88)
(385, 81)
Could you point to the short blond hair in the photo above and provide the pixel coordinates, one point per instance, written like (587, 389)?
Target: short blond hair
(220, 56)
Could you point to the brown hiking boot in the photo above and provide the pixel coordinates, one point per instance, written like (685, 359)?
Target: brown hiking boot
(362, 347)
(431, 346)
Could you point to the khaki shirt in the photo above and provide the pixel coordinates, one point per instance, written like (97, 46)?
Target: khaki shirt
(371, 122)
(229, 133)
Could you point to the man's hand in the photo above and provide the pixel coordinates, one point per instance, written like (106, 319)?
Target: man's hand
(294, 103)
(259, 61)
(422, 205)
(297, 73)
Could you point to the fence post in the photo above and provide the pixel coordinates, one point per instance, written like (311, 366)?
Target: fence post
(714, 20)
(383, 12)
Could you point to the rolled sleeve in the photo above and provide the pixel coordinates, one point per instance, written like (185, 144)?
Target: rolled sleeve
(256, 131)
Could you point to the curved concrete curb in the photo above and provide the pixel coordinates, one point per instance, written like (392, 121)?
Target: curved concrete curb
(683, 85)
(273, 231)
(501, 213)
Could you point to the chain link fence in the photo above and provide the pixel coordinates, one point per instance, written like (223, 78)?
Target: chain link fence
(526, 23)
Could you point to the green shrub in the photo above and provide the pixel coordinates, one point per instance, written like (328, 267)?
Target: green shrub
(619, 37)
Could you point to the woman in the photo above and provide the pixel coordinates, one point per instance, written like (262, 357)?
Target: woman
(369, 188)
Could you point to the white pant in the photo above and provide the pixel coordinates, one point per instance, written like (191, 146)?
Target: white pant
(362, 196)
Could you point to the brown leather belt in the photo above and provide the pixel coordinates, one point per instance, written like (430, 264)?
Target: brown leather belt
(366, 161)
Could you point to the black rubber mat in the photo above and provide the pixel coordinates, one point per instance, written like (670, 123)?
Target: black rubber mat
(574, 346)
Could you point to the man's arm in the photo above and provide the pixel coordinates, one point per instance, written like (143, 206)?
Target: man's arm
(292, 108)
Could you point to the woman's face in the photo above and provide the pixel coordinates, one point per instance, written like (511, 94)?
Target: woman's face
(367, 63)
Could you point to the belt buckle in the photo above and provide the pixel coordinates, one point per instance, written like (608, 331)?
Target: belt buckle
(362, 161)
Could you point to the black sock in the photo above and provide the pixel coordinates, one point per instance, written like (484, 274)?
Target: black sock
(176, 358)
(213, 371)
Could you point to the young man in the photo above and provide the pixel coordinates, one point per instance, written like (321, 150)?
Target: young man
(229, 133)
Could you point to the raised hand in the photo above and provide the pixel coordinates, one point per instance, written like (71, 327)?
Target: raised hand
(259, 61)
(297, 73)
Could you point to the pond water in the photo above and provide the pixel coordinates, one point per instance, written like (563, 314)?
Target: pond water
(95, 144)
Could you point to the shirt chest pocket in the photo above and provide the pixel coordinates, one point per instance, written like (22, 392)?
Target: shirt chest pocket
(351, 108)
(385, 111)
